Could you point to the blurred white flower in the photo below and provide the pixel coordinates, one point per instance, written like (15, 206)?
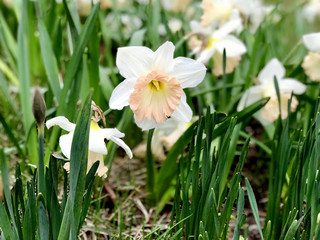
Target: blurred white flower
(176, 5)
(84, 6)
(311, 10)
(97, 145)
(311, 62)
(130, 24)
(153, 85)
(221, 11)
(164, 137)
(211, 44)
(174, 25)
(266, 88)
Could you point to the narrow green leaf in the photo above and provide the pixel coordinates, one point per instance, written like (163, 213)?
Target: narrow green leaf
(254, 207)
(43, 219)
(78, 159)
(24, 88)
(293, 229)
(49, 59)
(240, 206)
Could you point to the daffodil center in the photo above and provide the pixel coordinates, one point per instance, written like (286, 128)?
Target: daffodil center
(94, 126)
(211, 41)
(155, 96)
(156, 85)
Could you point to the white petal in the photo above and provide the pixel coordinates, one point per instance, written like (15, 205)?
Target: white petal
(196, 27)
(250, 96)
(310, 12)
(120, 95)
(188, 71)
(231, 26)
(122, 144)
(205, 55)
(163, 57)
(311, 64)
(146, 124)
(234, 47)
(109, 132)
(183, 112)
(62, 122)
(96, 142)
(289, 85)
(273, 68)
(65, 142)
(134, 62)
(312, 41)
(92, 158)
(114, 135)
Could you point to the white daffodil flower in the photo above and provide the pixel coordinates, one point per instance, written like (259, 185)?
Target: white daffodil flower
(266, 88)
(153, 85)
(212, 43)
(222, 11)
(311, 62)
(97, 147)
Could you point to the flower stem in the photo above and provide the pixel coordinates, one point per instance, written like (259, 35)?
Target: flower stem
(41, 179)
(151, 169)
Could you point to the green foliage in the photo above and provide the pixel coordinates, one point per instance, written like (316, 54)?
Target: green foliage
(209, 172)
(39, 215)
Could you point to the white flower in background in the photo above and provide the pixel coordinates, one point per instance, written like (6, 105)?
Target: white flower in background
(153, 85)
(174, 25)
(130, 24)
(163, 138)
(221, 11)
(311, 62)
(97, 147)
(84, 6)
(311, 10)
(266, 88)
(176, 5)
(216, 10)
(211, 44)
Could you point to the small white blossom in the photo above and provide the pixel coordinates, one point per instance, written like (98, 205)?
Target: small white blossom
(97, 147)
(266, 88)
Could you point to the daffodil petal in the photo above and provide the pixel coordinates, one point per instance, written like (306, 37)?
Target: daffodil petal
(234, 47)
(134, 62)
(120, 95)
(183, 112)
(188, 72)
(289, 85)
(146, 124)
(108, 132)
(163, 57)
(65, 142)
(62, 122)
(229, 27)
(312, 41)
(96, 141)
(92, 158)
(273, 68)
(311, 64)
(205, 55)
(122, 144)
(250, 96)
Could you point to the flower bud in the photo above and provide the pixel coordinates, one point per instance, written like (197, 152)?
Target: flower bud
(38, 107)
